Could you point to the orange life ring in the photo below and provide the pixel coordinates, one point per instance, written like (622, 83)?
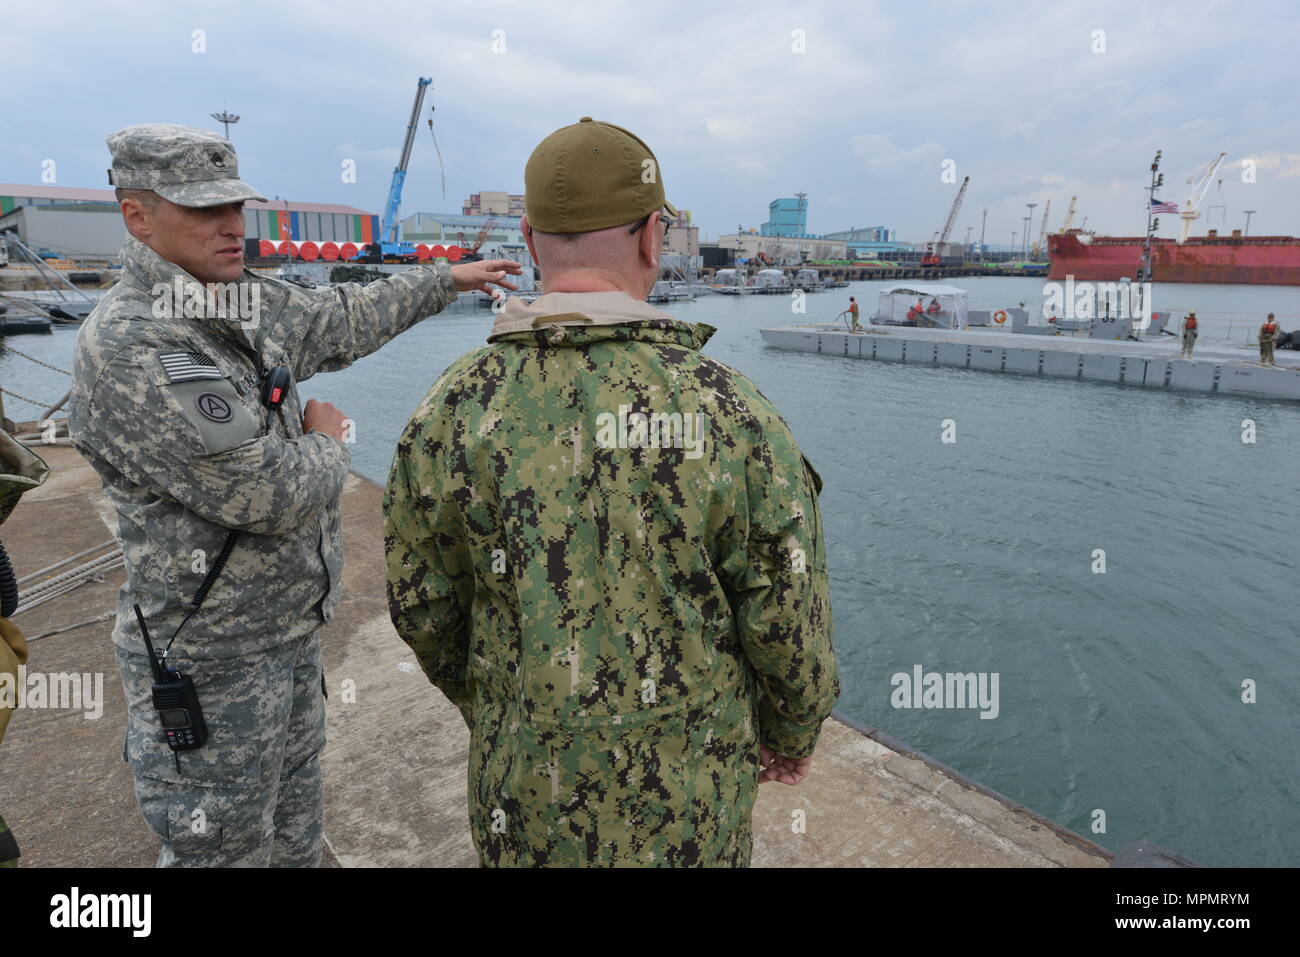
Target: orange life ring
(1000, 316)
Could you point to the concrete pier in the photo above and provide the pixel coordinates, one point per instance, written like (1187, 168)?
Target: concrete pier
(395, 763)
(1148, 363)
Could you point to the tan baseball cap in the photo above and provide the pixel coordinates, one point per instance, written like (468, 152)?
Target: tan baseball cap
(592, 175)
(185, 164)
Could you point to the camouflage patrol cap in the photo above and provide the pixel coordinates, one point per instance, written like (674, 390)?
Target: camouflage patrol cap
(591, 175)
(184, 164)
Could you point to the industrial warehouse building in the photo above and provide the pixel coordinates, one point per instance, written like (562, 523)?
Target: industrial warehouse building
(455, 229)
(86, 223)
(505, 238)
(783, 250)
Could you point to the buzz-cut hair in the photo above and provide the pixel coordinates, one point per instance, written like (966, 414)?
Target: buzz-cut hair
(146, 197)
(568, 237)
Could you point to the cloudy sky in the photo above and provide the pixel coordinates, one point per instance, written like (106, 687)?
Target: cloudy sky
(857, 104)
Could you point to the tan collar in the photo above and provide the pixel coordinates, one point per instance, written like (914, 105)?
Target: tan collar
(596, 309)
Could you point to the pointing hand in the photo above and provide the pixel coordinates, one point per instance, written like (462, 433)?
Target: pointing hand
(471, 276)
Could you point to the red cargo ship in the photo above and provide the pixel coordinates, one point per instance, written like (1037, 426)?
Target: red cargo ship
(1263, 260)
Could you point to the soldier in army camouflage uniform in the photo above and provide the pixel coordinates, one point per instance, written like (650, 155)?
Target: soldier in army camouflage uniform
(605, 549)
(166, 405)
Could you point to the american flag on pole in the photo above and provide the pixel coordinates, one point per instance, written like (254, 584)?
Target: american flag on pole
(1158, 207)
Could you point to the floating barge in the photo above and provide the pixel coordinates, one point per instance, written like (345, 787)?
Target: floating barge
(1215, 368)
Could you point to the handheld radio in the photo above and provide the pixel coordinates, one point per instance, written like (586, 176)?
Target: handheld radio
(275, 385)
(174, 697)
(175, 700)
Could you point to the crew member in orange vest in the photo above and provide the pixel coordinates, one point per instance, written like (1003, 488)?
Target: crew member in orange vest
(1189, 334)
(853, 311)
(934, 307)
(1267, 337)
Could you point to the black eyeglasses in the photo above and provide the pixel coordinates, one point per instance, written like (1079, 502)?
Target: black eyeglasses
(668, 224)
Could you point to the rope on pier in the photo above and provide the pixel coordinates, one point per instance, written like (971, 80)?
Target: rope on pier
(39, 362)
(89, 571)
(23, 398)
(67, 561)
(50, 408)
(81, 624)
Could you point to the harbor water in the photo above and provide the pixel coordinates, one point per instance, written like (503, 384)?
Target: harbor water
(1158, 699)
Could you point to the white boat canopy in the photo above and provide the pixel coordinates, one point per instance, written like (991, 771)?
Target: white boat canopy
(939, 305)
(923, 289)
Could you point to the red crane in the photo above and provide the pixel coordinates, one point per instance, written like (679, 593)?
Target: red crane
(931, 257)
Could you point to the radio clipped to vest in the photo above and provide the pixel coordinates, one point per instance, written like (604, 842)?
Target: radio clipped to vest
(275, 386)
(174, 696)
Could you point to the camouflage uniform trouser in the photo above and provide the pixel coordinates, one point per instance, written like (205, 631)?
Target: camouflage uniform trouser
(1189, 341)
(1266, 351)
(8, 846)
(677, 791)
(251, 796)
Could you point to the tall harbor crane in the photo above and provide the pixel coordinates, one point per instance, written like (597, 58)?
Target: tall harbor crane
(387, 246)
(931, 257)
(1197, 184)
(1069, 214)
(1040, 244)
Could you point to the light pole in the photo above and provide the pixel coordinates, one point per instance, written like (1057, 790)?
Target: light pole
(225, 119)
(1153, 223)
(1014, 247)
(983, 222)
(1249, 213)
(1029, 222)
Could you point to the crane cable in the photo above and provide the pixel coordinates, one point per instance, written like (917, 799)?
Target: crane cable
(441, 171)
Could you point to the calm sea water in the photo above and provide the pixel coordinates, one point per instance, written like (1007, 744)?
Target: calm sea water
(1119, 693)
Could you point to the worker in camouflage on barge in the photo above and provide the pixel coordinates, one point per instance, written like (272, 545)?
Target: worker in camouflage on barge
(606, 550)
(204, 449)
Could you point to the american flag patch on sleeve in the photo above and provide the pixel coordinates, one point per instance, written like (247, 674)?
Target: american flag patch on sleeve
(185, 366)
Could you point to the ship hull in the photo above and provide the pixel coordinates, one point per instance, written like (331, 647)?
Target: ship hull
(1259, 260)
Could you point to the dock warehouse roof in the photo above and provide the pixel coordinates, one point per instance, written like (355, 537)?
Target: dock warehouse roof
(71, 233)
(457, 219)
(10, 193)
